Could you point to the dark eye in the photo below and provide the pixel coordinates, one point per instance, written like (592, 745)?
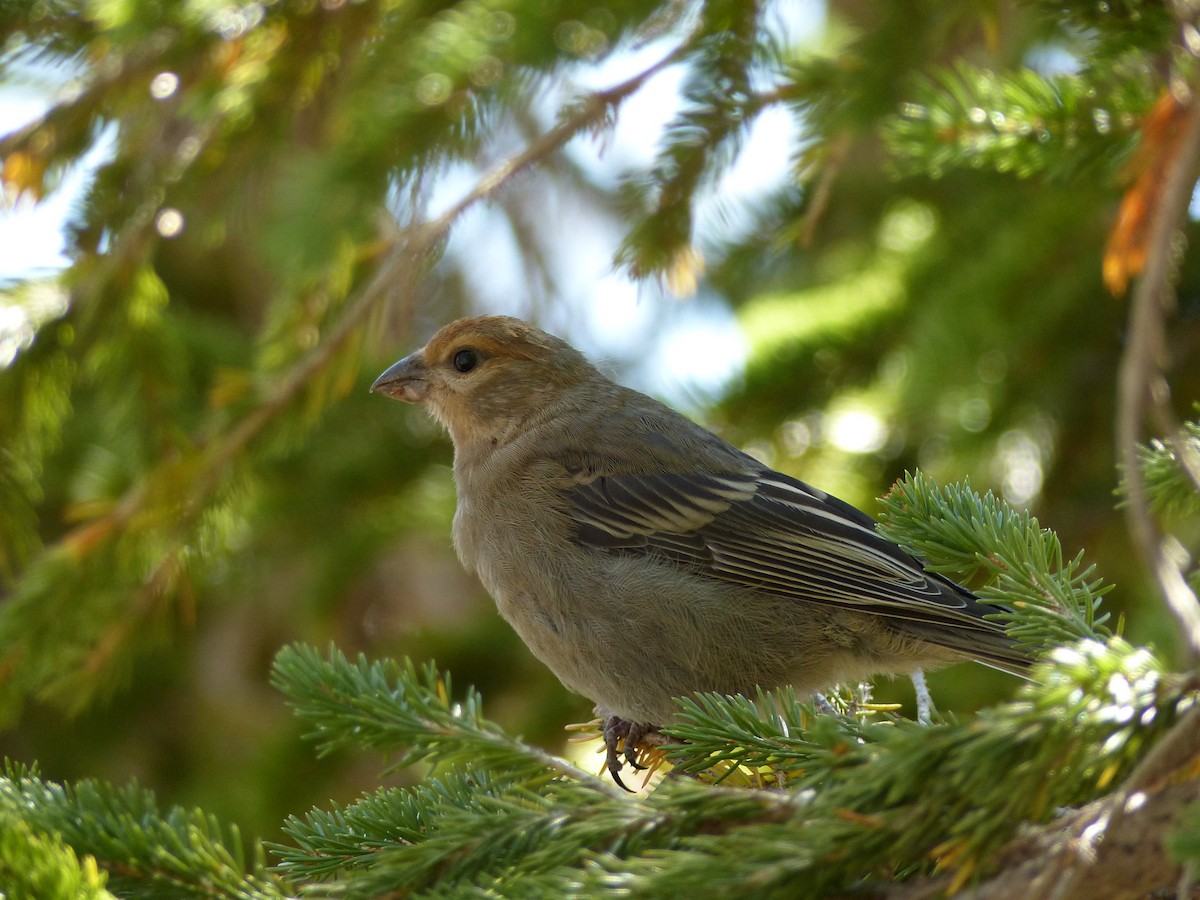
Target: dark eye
(466, 360)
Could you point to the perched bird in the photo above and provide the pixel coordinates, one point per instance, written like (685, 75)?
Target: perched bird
(642, 558)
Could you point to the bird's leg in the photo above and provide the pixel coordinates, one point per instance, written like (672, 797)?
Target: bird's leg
(617, 729)
(924, 698)
(821, 704)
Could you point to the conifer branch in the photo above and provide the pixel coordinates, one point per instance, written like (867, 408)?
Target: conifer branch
(1061, 127)
(857, 798)
(41, 865)
(186, 853)
(957, 532)
(1169, 470)
(718, 107)
(391, 706)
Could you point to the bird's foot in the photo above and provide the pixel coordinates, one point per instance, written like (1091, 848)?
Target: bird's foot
(623, 738)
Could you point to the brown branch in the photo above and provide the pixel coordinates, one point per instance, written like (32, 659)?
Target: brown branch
(837, 151)
(1143, 387)
(1123, 846)
(1095, 858)
(1113, 848)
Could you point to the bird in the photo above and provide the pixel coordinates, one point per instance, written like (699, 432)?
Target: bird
(642, 558)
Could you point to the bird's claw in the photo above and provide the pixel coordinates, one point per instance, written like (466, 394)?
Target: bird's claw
(617, 730)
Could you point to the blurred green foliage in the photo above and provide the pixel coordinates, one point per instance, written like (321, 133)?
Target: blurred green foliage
(192, 473)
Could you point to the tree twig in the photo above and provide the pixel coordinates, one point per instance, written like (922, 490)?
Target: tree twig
(1142, 385)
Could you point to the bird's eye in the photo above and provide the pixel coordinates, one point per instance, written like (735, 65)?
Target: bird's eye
(466, 360)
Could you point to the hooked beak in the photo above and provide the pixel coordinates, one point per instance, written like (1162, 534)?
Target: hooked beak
(404, 380)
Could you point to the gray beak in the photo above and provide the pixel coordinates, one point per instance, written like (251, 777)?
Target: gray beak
(404, 380)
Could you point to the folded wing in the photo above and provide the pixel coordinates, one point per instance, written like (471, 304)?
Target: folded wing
(773, 533)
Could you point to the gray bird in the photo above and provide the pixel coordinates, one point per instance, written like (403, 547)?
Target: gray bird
(642, 558)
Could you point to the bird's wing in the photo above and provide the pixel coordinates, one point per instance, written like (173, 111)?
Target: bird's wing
(771, 532)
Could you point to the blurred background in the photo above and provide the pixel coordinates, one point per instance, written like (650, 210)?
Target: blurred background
(854, 238)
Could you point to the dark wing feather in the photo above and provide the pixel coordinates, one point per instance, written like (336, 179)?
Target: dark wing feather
(779, 535)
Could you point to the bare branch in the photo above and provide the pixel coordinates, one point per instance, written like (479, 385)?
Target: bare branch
(1143, 389)
(1113, 848)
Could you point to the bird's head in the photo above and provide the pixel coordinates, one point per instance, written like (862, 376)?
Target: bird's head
(483, 377)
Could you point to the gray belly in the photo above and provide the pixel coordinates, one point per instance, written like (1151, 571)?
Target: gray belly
(630, 638)
(630, 633)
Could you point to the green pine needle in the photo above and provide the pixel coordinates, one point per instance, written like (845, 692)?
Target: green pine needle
(1048, 601)
(182, 853)
(1170, 469)
(394, 707)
